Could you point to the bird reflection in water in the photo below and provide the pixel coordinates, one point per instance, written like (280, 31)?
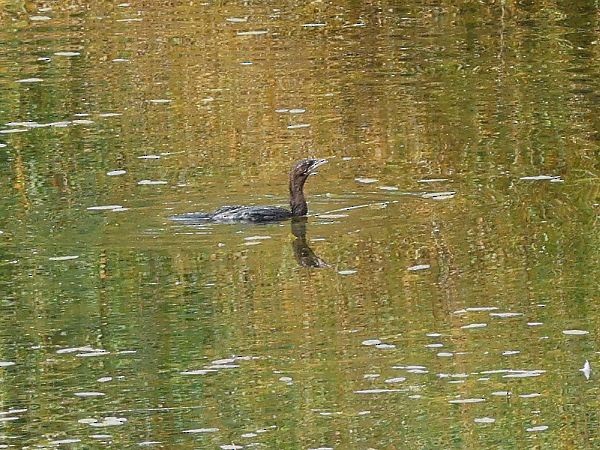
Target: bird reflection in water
(303, 253)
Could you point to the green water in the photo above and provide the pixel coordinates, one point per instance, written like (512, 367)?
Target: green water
(456, 295)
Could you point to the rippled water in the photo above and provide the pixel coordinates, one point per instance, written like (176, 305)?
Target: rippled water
(442, 294)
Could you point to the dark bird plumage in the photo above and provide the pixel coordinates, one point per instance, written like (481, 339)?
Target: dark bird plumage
(298, 207)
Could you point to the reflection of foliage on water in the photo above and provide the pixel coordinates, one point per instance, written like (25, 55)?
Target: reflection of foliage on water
(479, 94)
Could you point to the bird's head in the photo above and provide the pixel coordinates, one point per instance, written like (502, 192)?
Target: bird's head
(306, 167)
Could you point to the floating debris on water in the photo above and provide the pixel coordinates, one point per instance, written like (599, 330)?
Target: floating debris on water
(236, 19)
(133, 19)
(297, 111)
(314, 25)
(89, 394)
(537, 428)
(347, 272)
(86, 348)
(365, 180)
(14, 130)
(231, 447)
(104, 379)
(63, 258)
(484, 420)
(332, 216)
(252, 33)
(223, 361)
(535, 324)
(385, 346)
(222, 366)
(257, 238)
(8, 419)
(39, 18)
(369, 342)
(30, 80)
(481, 308)
(91, 354)
(110, 421)
(395, 380)
(432, 180)
(523, 373)
(510, 352)
(201, 430)
(101, 436)
(106, 208)
(60, 124)
(453, 375)
(114, 173)
(409, 367)
(198, 372)
(371, 376)
(149, 157)
(501, 393)
(151, 182)
(532, 395)
(541, 178)
(28, 124)
(418, 267)
(463, 401)
(474, 325)
(219, 364)
(7, 363)
(14, 411)
(159, 101)
(377, 391)
(586, 369)
(445, 354)
(298, 125)
(439, 195)
(68, 54)
(65, 441)
(575, 332)
(505, 315)
(388, 188)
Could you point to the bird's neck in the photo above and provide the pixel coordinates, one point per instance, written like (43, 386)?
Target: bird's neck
(297, 201)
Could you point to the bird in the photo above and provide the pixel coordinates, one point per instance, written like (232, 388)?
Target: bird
(299, 173)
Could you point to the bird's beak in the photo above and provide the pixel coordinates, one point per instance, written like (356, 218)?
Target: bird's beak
(315, 165)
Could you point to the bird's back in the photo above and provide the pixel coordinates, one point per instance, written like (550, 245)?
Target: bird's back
(251, 214)
(236, 213)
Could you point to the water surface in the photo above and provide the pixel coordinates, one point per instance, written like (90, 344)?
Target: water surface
(442, 294)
